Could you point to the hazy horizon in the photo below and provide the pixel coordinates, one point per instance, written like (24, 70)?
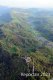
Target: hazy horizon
(27, 3)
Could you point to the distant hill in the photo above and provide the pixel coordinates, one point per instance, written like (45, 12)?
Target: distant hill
(26, 32)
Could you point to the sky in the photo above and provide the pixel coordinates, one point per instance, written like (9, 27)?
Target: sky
(27, 3)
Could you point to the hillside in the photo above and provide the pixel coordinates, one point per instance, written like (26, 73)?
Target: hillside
(26, 33)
